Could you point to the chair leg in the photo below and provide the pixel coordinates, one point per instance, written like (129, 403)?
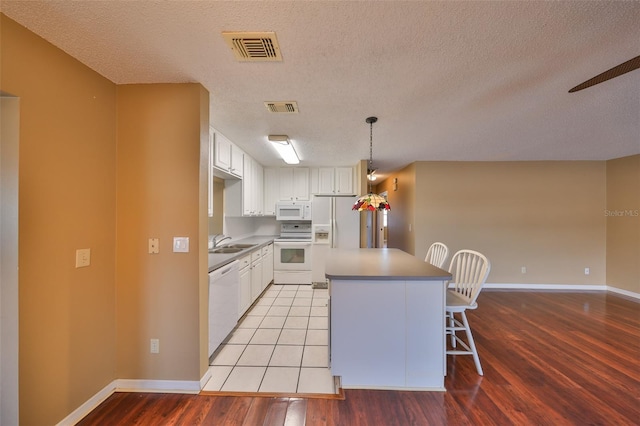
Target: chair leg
(472, 344)
(452, 330)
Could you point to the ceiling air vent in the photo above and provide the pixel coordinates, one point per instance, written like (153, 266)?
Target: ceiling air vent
(252, 46)
(282, 106)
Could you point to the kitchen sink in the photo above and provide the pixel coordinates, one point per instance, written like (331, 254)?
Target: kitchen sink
(226, 250)
(240, 246)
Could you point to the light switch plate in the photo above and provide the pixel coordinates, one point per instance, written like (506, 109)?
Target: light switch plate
(181, 244)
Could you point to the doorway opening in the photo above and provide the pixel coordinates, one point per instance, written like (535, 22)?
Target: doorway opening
(382, 229)
(9, 142)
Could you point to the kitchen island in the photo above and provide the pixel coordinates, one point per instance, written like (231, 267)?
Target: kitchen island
(387, 320)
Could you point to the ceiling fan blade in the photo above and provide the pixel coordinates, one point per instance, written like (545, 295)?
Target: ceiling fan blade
(623, 68)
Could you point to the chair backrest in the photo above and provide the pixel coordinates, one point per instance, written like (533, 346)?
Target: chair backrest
(437, 254)
(469, 270)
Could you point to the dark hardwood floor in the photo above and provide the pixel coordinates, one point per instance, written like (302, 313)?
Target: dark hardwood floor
(549, 358)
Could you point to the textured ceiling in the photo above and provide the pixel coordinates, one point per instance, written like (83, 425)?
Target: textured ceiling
(447, 80)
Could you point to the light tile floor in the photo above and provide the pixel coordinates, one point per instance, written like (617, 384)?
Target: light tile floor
(281, 345)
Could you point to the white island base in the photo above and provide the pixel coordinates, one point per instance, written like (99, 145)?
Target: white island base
(386, 330)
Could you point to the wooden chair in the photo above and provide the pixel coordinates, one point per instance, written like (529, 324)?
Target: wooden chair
(437, 254)
(469, 270)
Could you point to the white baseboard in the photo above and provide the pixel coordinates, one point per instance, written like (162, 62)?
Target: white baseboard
(569, 287)
(624, 292)
(161, 386)
(79, 413)
(125, 385)
(573, 287)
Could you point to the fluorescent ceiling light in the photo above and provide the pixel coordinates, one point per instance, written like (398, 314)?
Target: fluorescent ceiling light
(282, 144)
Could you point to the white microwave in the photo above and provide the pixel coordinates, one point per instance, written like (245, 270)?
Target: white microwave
(293, 210)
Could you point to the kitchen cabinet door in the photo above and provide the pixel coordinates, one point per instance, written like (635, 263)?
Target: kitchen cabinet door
(244, 291)
(258, 194)
(227, 156)
(256, 279)
(252, 204)
(271, 191)
(285, 184)
(294, 183)
(247, 187)
(222, 156)
(334, 181)
(267, 265)
(325, 180)
(301, 183)
(343, 180)
(236, 164)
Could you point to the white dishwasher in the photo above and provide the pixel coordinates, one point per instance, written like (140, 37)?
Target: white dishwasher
(223, 303)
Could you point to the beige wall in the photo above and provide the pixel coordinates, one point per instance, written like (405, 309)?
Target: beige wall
(623, 223)
(104, 167)
(546, 216)
(160, 177)
(67, 201)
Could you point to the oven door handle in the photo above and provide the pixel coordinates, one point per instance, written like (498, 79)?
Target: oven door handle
(293, 243)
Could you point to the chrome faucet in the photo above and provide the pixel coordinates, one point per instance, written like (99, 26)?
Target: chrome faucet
(216, 242)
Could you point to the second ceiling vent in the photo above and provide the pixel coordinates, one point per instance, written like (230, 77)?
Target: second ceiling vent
(282, 106)
(253, 46)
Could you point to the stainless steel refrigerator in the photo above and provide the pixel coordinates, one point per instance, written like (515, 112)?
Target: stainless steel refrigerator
(334, 225)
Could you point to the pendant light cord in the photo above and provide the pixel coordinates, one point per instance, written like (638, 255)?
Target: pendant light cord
(370, 120)
(370, 171)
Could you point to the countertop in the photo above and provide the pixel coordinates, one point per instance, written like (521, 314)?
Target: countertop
(380, 264)
(217, 260)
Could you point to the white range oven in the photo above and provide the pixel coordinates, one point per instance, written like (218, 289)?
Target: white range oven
(292, 254)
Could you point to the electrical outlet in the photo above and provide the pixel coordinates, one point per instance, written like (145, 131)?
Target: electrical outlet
(155, 346)
(523, 270)
(83, 258)
(587, 271)
(154, 246)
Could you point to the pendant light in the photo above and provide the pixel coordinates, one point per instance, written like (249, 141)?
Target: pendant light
(371, 201)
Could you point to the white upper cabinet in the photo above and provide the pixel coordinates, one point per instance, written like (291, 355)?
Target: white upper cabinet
(227, 156)
(294, 183)
(344, 180)
(332, 181)
(252, 188)
(210, 178)
(271, 191)
(237, 161)
(326, 180)
(247, 188)
(258, 188)
(244, 197)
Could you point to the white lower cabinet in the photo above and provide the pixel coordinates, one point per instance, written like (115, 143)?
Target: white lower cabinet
(244, 289)
(267, 265)
(256, 274)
